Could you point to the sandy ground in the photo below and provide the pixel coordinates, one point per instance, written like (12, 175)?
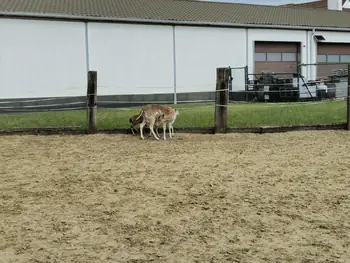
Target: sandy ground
(196, 198)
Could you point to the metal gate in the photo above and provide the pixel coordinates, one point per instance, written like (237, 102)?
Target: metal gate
(238, 83)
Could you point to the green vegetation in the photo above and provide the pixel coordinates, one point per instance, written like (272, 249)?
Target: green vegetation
(192, 115)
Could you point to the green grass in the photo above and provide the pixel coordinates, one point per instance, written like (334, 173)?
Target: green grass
(192, 115)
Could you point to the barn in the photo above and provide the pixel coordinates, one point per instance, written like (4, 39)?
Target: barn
(159, 50)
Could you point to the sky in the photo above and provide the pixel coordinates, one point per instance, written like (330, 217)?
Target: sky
(265, 2)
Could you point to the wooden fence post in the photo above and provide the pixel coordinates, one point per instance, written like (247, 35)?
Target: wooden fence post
(92, 102)
(348, 100)
(221, 99)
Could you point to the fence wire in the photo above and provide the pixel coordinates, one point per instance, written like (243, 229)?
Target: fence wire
(311, 82)
(333, 78)
(300, 101)
(46, 112)
(291, 98)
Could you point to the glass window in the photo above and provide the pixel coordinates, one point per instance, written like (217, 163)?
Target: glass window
(289, 56)
(321, 58)
(332, 58)
(344, 58)
(274, 56)
(260, 57)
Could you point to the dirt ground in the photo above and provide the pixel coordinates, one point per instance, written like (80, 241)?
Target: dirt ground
(195, 198)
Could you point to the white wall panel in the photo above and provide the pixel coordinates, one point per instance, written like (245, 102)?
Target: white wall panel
(131, 59)
(334, 37)
(48, 58)
(42, 59)
(330, 37)
(200, 50)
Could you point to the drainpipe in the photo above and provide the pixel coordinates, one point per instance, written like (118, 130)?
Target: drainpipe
(313, 56)
(307, 55)
(87, 51)
(174, 65)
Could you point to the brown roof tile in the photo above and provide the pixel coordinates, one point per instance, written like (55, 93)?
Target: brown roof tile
(181, 10)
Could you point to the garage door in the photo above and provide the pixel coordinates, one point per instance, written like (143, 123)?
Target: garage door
(332, 53)
(281, 57)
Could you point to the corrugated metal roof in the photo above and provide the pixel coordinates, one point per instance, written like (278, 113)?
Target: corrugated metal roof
(181, 10)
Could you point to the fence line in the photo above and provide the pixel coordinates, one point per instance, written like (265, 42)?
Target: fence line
(48, 105)
(32, 100)
(282, 104)
(224, 82)
(81, 99)
(220, 107)
(19, 110)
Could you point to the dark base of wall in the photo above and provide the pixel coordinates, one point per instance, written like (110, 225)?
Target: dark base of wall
(109, 101)
(113, 101)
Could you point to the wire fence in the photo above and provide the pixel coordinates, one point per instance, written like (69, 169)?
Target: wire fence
(309, 82)
(113, 111)
(253, 100)
(39, 113)
(42, 104)
(317, 98)
(331, 78)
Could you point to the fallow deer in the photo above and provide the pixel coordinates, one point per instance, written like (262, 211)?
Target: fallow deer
(151, 113)
(134, 122)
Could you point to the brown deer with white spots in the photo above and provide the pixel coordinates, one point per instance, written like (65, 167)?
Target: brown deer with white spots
(162, 114)
(134, 121)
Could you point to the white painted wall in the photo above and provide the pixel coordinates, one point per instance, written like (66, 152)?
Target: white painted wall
(312, 47)
(200, 50)
(47, 59)
(131, 59)
(41, 59)
(277, 35)
(346, 4)
(330, 37)
(334, 37)
(335, 4)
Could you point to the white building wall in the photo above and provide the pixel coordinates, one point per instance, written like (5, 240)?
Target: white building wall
(346, 4)
(42, 59)
(334, 37)
(48, 58)
(330, 37)
(200, 50)
(277, 35)
(131, 59)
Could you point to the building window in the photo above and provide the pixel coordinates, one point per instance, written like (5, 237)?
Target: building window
(344, 58)
(289, 56)
(260, 57)
(321, 58)
(274, 56)
(332, 58)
